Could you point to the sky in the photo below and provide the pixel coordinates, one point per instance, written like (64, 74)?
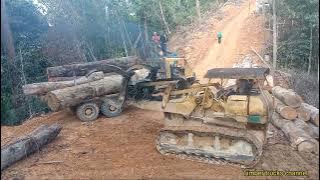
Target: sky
(41, 7)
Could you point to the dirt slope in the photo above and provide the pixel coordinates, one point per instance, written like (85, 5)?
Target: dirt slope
(123, 147)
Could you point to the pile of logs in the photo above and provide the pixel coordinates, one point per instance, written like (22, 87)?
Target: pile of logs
(299, 121)
(69, 85)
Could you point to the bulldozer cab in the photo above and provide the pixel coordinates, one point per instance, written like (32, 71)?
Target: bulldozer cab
(177, 65)
(171, 67)
(246, 79)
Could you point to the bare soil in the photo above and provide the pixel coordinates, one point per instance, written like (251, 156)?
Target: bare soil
(124, 147)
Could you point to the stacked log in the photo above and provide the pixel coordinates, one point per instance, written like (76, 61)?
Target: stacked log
(73, 70)
(285, 111)
(287, 96)
(299, 138)
(71, 96)
(314, 112)
(299, 121)
(44, 87)
(78, 83)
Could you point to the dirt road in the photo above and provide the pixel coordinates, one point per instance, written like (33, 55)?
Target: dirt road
(124, 147)
(224, 54)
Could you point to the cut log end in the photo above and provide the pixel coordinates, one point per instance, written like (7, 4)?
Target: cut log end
(288, 113)
(302, 114)
(52, 101)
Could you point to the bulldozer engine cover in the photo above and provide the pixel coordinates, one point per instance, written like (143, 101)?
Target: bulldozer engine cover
(237, 105)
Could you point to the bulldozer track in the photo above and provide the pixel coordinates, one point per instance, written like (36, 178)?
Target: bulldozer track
(209, 159)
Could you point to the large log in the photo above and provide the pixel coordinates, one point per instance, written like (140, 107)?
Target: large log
(82, 69)
(288, 97)
(75, 95)
(286, 112)
(29, 144)
(57, 79)
(298, 138)
(314, 112)
(312, 130)
(44, 87)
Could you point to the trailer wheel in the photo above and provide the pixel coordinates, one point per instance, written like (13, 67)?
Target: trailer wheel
(87, 112)
(109, 110)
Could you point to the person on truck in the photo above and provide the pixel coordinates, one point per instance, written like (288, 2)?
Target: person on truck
(219, 35)
(163, 44)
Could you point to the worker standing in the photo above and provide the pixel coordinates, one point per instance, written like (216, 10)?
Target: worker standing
(163, 44)
(219, 37)
(156, 38)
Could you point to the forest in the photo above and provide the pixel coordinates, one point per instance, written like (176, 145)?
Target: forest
(36, 34)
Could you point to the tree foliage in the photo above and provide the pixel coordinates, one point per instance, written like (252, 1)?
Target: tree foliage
(57, 32)
(296, 19)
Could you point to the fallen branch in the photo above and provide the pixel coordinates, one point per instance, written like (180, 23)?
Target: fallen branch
(264, 62)
(29, 144)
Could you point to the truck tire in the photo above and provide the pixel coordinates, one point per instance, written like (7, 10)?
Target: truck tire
(109, 110)
(87, 112)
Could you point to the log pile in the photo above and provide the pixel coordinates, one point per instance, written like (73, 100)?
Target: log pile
(75, 70)
(298, 120)
(70, 85)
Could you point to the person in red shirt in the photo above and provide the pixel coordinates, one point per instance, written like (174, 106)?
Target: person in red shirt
(156, 38)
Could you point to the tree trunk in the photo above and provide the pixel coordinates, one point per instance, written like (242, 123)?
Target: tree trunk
(145, 26)
(286, 112)
(164, 18)
(311, 129)
(274, 17)
(303, 114)
(288, 97)
(298, 138)
(198, 10)
(310, 52)
(72, 96)
(29, 144)
(44, 87)
(82, 69)
(24, 81)
(314, 112)
(122, 37)
(136, 41)
(91, 52)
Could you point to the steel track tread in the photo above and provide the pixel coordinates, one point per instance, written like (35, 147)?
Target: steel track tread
(233, 132)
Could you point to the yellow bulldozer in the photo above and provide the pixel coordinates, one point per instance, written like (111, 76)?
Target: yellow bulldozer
(210, 123)
(206, 122)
